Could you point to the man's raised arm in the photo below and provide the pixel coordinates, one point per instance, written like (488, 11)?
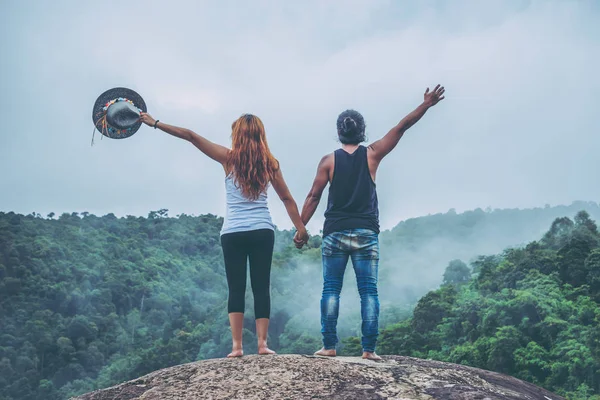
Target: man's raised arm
(385, 145)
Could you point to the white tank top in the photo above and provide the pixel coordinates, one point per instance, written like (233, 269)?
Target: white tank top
(243, 214)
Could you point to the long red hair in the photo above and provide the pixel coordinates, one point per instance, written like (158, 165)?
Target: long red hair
(250, 160)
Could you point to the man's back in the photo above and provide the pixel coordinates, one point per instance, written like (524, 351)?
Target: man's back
(352, 202)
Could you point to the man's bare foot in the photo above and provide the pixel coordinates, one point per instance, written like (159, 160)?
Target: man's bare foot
(235, 353)
(326, 353)
(370, 356)
(265, 351)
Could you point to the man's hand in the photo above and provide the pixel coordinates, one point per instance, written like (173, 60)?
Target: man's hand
(301, 238)
(382, 147)
(434, 97)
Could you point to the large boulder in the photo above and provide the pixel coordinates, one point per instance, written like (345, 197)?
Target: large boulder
(308, 377)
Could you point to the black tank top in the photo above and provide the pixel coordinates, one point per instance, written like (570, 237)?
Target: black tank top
(352, 202)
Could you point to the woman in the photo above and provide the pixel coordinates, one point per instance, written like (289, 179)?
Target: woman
(248, 232)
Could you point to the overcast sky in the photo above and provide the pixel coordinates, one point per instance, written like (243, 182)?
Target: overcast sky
(519, 126)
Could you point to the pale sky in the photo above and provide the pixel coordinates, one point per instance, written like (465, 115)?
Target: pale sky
(519, 126)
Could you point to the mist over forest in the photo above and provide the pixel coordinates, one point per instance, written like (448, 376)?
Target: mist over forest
(90, 301)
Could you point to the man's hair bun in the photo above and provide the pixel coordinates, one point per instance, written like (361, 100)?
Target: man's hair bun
(349, 124)
(351, 127)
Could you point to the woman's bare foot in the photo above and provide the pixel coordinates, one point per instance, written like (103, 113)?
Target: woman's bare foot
(235, 353)
(236, 320)
(265, 351)
(370, 356)
(262, 328)
(326, 353)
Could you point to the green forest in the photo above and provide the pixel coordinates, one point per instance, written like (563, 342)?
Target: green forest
(89, 301)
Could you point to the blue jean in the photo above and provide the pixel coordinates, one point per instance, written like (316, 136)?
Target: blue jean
(362, 246)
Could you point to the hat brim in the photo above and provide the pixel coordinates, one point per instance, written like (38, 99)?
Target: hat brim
(98, 112)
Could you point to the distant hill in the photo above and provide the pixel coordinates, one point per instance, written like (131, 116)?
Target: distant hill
(416, 251)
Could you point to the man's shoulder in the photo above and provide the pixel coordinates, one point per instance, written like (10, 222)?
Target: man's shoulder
(327, 159)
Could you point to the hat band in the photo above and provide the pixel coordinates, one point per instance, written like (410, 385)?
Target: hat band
(113, 101)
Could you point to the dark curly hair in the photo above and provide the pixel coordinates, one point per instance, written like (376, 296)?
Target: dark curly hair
(351, 127)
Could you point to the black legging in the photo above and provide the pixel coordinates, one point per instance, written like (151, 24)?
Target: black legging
(257, 246)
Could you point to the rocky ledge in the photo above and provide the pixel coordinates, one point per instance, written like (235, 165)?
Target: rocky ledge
(308, 377)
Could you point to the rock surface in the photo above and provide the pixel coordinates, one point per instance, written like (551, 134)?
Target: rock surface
(307, 377)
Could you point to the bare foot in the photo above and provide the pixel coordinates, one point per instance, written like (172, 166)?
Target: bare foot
(265, 351)
(326, 353)
(370, 356)
(235, 353)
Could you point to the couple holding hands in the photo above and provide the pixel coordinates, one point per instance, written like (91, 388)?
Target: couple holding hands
(351, 227)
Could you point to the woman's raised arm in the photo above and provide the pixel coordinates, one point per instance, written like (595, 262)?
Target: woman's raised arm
(215, 151)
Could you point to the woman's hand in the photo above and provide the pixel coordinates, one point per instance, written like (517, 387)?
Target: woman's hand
(301, 238)
(147, 119)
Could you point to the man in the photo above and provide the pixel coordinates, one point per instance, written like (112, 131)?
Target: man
(351, 226)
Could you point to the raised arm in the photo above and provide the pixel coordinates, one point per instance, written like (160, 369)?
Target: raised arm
(385, 145)
(215, 151)
(290, 204)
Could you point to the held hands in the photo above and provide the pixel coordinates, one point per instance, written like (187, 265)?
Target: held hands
(301, 238)
(147, 119)
(432, 98)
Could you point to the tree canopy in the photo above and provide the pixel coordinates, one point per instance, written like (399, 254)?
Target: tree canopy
(87, 302)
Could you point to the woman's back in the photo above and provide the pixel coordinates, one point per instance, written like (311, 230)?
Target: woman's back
(243, 214)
